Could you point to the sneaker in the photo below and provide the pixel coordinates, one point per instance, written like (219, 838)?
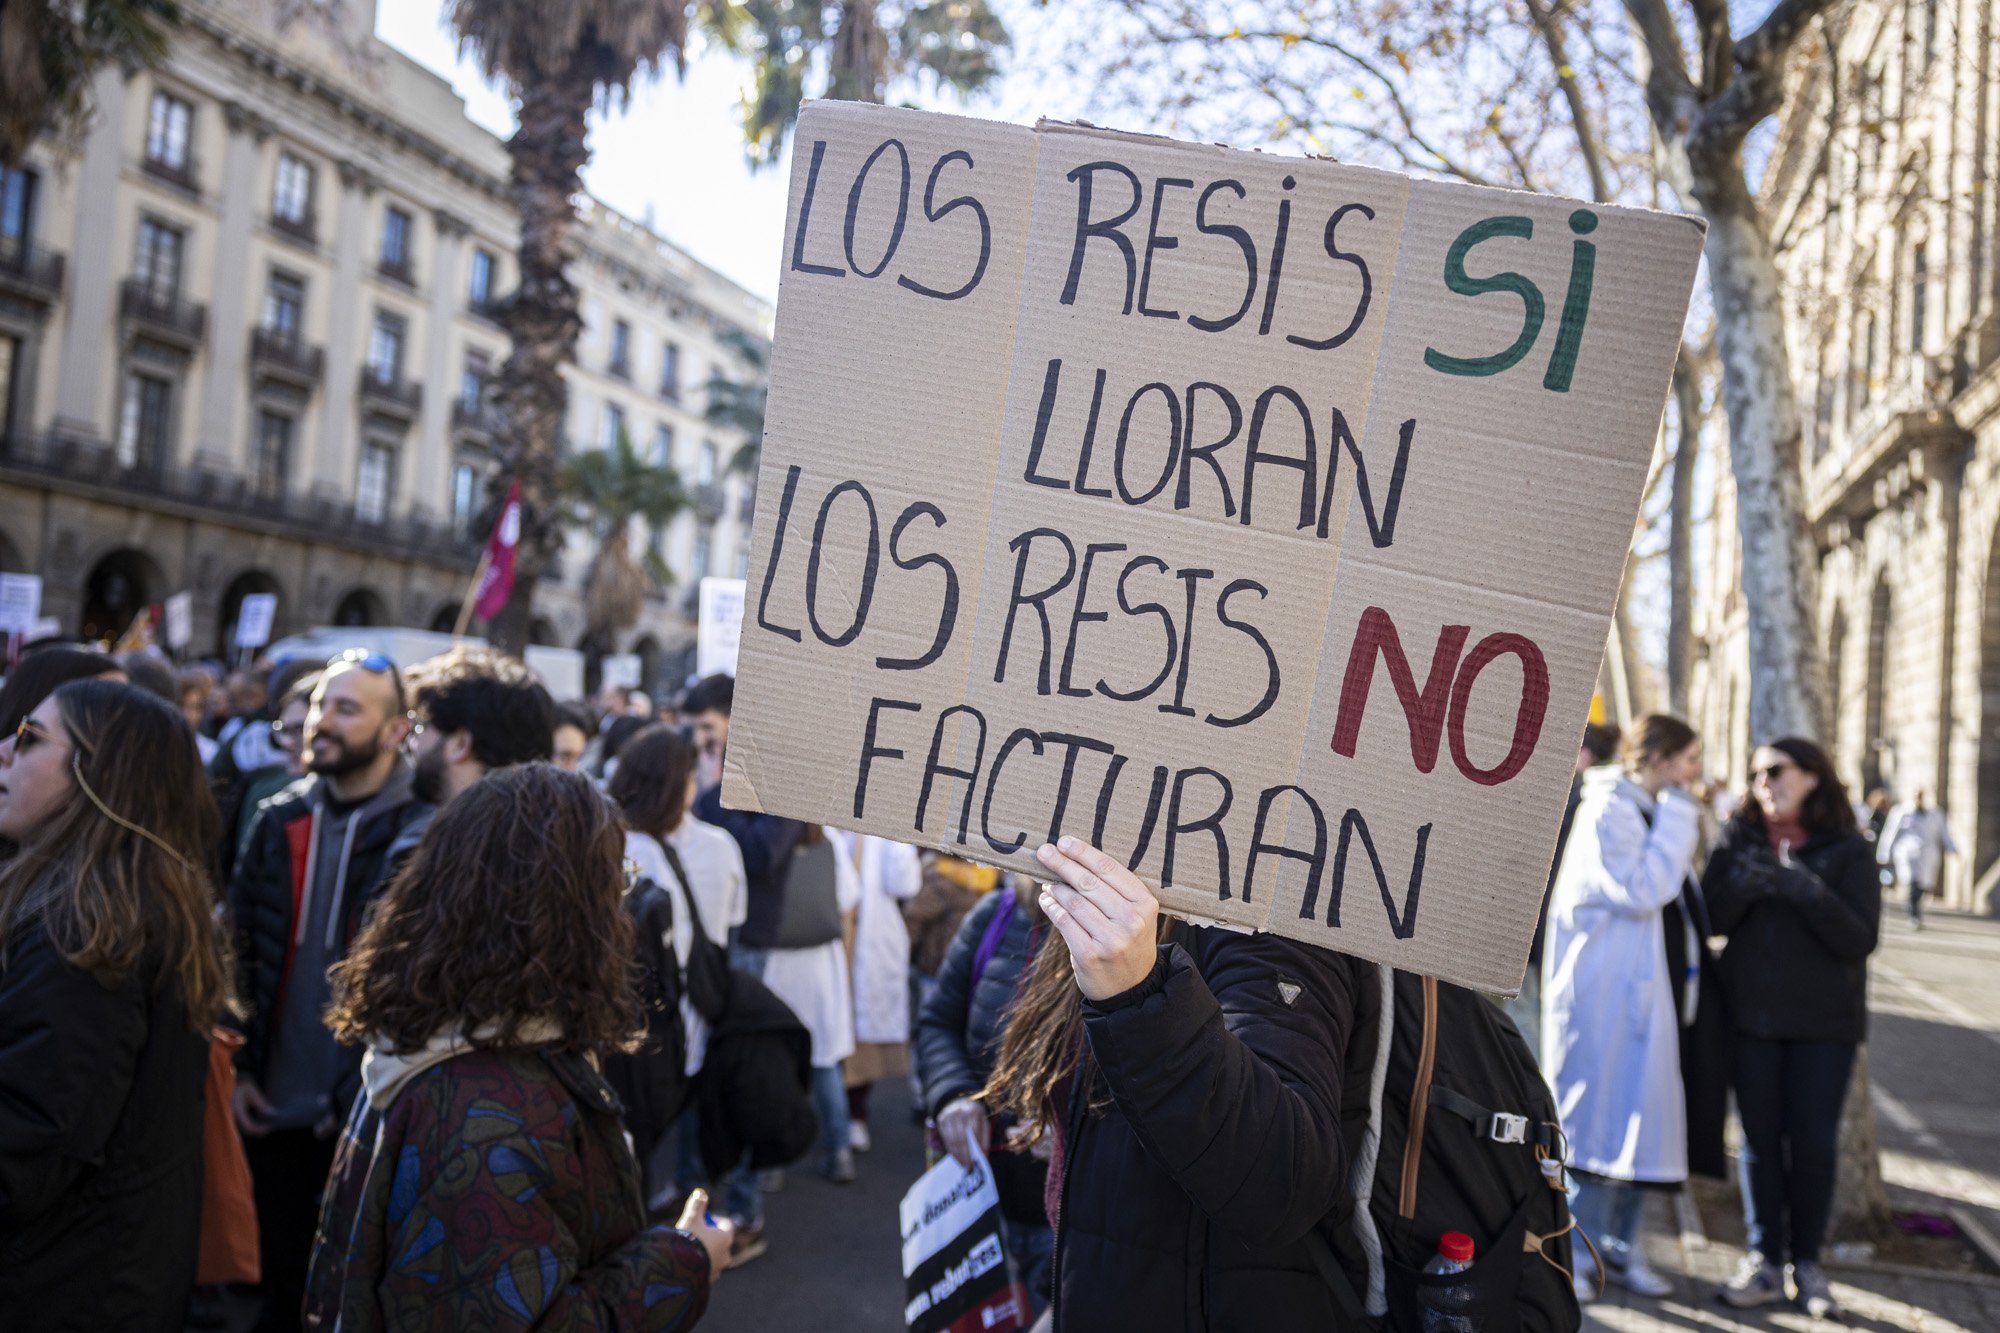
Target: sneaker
(1637, 1276)
(1757, 1282)
(840, 1167)
(857, 1137)
(1815, 1292)
(748, 1243)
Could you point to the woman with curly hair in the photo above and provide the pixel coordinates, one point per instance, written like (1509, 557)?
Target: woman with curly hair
(111, 980)
(484, 1180)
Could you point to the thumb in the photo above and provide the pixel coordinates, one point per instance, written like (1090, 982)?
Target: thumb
(694, 1210)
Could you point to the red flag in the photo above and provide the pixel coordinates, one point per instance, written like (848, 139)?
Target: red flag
(497, 583)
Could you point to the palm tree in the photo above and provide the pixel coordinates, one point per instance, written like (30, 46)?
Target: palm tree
(864, 45)
(604, 490)
(50, 52)
(557, 61)
(739, 404)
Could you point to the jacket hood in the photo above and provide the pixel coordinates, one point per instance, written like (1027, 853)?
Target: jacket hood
(1607, 780)
(385, 1072)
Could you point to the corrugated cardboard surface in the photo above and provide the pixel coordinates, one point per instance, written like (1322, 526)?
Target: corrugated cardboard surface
(1031, 579)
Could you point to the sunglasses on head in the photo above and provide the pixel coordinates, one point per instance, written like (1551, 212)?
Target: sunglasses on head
(378, 663)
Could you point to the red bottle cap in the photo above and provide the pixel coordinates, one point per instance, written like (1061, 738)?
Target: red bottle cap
(1455, 1245)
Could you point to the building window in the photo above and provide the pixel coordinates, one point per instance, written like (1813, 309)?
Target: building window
(670, 372)
(663, 445)
(610, 425)
(17, 205)
(396, 241)
(158, 263)
(274, 454)
(705, 465)
(291, 194)
(143, 421)
(479, 291)
(371, 483)
(464, 497)
(284, 305)
(385, 348)
(704, 542)
(167, 133)
(621, 349)
(472, 380)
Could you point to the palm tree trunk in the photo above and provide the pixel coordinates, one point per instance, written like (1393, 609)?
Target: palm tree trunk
(541, 318)
(860, 54)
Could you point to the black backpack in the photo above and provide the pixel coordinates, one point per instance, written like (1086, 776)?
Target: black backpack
(652, 1079)
(1461, 1136)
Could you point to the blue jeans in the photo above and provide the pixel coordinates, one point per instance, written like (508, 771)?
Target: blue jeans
(830, 1100)
(1608, 1210)
(1788, 1096)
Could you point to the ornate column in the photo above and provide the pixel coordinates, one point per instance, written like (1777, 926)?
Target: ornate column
(332, 465)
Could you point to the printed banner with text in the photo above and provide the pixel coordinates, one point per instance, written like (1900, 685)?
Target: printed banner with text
(1257, 518)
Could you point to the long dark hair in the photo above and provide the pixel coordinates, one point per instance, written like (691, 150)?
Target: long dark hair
(119, 870)
(509, 914)
(38, 674)
(1827, 809)
(651, 783)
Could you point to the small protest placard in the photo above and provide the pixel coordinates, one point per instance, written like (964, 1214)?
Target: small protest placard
(954, 1258)
(20, 602)
(622, 670)
(720, 628)
(253, 619)
(1258, 519)
(180, 620)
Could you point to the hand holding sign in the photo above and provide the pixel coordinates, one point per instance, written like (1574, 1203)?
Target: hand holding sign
(1107, 916)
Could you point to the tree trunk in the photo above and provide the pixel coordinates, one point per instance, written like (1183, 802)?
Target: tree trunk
(541, 319)
(1780, 561)
(1860, 1200)
(860, 54)
(1680, 535)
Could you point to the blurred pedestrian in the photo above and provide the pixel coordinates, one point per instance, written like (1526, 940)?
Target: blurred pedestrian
(111, 980)
(1914, 843)
(1193, 1093)
(195, 686)
(813, 982)
(484, 1180)
(1793, 886)
(957, 1045)
(288, 734)
(318, 857)
(473, 711)
(879, 959)
(1611, 1026)
(572, 736)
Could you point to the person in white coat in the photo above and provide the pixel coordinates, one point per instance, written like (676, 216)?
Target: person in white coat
(814, 983)
(1610, 1029)
(1914, 844)
(890, 875)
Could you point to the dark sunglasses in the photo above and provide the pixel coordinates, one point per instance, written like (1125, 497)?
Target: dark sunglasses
(1772, 773)
(28, 735)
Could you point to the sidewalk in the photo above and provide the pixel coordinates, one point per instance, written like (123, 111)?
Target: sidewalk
(1934, 1029)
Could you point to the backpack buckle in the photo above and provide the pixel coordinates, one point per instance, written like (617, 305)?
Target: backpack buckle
(1506, 1127)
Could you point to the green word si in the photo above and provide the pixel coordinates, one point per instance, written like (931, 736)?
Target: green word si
(1576, 302)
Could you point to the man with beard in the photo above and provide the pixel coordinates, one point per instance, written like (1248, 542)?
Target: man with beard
(475, 710)
(317, 856)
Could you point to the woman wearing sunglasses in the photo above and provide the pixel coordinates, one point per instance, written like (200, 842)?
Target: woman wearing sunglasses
(1793, 885)
(111, 978)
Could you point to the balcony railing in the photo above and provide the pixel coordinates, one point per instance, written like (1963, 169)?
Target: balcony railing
(92, 469)
(398, 396)
(489, 309)
(283, 356)
(708, 501)
(162, 314)
(304, 230)
(184, 175)
(398, 271)
(30, 271)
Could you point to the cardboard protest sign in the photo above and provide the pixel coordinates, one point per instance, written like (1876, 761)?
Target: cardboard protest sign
(955, 1266)
(719, 626)
(1256, 518)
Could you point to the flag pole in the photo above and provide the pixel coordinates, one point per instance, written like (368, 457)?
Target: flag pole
(471, 596)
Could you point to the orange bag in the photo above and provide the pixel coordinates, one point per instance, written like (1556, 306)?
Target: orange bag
(228, 1209)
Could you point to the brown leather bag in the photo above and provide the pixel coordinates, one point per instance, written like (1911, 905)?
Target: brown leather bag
(228, 1209)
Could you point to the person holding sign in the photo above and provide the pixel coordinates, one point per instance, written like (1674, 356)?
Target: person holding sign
(1193, 1093)
(1611, 1033)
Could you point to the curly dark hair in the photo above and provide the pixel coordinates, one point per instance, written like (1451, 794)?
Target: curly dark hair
(492, 698)
(508, 914)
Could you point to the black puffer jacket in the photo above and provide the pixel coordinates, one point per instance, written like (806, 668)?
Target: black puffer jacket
(265, 892)
(1796, 966)
(1186, 1205)
(958, 1032)
(101, 1094)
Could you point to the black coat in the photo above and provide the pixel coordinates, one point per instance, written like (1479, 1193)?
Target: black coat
(1186, 1204)
(1796, 966)
(101, 1097)
(754, 1091)
(265, 892)
(958, 1031)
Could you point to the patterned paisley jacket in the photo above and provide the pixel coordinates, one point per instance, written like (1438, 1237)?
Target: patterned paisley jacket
(496, 1192)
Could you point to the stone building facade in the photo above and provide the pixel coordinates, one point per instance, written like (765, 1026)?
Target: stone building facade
(1880, 192)
(244, 327)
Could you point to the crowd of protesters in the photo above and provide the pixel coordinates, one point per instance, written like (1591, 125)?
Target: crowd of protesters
(523, 1021)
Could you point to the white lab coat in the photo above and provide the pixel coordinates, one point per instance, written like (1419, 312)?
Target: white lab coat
(1914, 843)
(1610, 1033)
(814, 983)
(890, 872)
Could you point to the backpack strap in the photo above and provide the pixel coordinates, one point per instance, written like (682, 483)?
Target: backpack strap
(1498, 1126)
(996, 931)
(1420, 1100)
